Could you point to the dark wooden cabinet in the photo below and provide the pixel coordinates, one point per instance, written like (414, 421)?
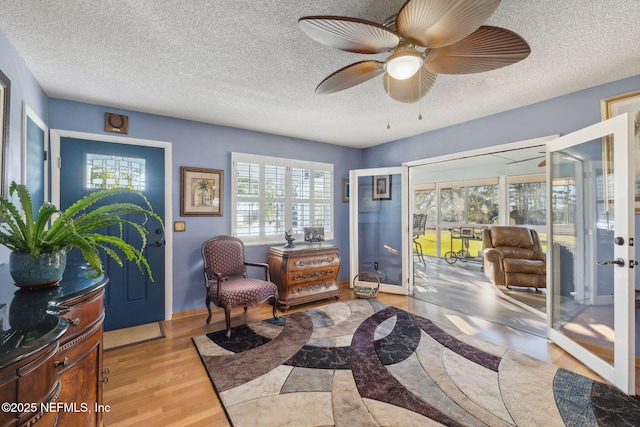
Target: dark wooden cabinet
(51, 370)
(80, 361)
(304, 273)
(28, 387)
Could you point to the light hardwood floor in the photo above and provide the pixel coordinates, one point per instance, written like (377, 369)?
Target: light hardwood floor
(163, 382)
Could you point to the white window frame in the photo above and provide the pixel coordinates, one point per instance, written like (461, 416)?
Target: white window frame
(261, 238)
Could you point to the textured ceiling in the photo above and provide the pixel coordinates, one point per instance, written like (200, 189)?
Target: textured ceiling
(246, 64)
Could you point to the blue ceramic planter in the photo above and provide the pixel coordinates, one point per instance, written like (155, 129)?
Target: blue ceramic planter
(43, 270)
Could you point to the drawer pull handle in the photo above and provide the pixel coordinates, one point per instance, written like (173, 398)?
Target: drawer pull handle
(75, 322)
(64, 363)
(104, 380)
(106, 371)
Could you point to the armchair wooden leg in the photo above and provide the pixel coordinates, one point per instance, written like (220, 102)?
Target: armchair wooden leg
(275, 304)
(227, 318)
(208, 303)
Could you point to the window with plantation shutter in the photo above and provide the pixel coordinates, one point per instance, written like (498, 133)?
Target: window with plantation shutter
(271, 196)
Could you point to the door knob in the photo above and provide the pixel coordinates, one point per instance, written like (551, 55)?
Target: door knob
(619, 241)
(617, 261)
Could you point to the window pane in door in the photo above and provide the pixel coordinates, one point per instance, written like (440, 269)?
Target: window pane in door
(380, 230)
(106, 171)
(582, 211)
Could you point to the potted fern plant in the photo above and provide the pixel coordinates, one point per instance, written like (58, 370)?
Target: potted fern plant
(38, 256)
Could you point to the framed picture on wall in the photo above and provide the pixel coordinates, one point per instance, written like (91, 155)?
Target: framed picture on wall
(382, 187)
(201, 192)
(611, 107)
(345, 190)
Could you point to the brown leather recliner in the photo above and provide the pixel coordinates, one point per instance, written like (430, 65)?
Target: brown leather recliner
(513, 256)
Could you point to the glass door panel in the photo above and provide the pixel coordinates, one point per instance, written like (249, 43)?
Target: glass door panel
(379, 221)
(592, 221)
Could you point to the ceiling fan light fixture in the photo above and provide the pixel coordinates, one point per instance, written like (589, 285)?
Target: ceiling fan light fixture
(404, 64)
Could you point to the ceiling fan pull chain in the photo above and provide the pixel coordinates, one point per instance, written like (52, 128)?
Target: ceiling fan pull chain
(419, 92)
(388, 102)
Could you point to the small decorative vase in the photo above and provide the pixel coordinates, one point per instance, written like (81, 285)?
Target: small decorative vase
(31, 272)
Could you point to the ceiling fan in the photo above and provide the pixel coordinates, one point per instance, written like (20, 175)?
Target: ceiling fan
(425, 38)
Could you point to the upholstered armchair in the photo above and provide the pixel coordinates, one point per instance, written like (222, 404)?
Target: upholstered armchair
(226, 281)
(513, 256)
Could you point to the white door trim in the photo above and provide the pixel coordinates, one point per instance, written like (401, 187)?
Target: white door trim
(406, 260)
(622, 372)
(29, 113)
(57, 134)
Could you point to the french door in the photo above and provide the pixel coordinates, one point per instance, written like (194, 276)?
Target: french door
(86, 162)
(591, 256)
(379, 234)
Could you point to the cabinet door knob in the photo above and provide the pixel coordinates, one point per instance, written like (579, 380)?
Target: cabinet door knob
(104, 380)
(64, 363)
(75, 322)
(106, 371)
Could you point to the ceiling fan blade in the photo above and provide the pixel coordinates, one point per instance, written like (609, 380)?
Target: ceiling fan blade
(349, 76)
(412, 89)
(488, 48)
(438, 23)
(350, 34)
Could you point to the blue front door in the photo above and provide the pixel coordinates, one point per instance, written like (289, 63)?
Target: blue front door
(131, 298)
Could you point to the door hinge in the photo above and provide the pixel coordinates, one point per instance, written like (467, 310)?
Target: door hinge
(59, 162)
(46, 155)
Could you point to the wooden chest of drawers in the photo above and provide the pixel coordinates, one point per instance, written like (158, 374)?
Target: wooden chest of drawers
(80, 360)
(304, 273)
(51, 354)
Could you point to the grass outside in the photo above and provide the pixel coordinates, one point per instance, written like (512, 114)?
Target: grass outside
(428, 242)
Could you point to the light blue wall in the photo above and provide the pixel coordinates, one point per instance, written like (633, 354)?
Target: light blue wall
(561, 115)
(210, 146)
(24, 90)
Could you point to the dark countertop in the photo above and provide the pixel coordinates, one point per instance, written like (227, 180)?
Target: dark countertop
(28, 321)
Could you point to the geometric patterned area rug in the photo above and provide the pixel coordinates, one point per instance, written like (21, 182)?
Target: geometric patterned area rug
(364, 363)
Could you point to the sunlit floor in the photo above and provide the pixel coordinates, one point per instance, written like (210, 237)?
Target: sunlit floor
(463, 287)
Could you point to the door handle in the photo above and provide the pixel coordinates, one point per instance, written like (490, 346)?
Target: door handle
(161, 241)
(617, 261)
